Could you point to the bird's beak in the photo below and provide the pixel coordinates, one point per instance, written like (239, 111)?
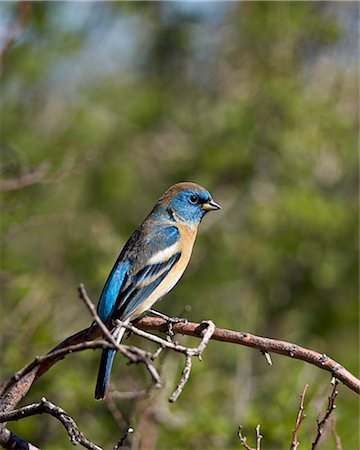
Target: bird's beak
(210, 206)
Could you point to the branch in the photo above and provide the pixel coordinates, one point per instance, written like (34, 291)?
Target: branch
(16, 387)
(300, 417)
(122, 440)
(205, 329)
(261, 343)
(75, 435)
(243, 439)
(183, 380)
(41, 365)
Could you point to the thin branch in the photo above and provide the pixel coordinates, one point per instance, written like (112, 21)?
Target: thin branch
(205, 330)
(44, 406)
(330, 408)
(299, 418)
(90, 306)
(183, 380)
(16, 387)
(243, 439)
(42, 364)
(122, 440)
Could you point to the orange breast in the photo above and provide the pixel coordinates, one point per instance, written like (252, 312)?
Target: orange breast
(186, 243)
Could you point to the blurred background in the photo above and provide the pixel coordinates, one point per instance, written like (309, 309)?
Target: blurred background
(105, 105)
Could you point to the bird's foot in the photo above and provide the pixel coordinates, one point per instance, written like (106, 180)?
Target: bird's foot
(170, 321)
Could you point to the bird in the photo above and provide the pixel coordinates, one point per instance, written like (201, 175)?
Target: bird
(151, 263)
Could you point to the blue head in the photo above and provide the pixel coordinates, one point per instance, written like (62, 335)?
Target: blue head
(188, 202)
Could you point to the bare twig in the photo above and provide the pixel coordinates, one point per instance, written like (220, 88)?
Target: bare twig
(44, 406)
(299, 418)
(330, 408)
(183, 380)
(258, 437)
(243, 439)
(122, 440)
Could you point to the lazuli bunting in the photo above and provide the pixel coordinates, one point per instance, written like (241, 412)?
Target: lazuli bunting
(151, 263)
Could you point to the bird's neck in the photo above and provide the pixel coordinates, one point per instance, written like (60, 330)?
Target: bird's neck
(160, 212)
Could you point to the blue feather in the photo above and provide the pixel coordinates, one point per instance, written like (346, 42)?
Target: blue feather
(107, 358)
(111, 290)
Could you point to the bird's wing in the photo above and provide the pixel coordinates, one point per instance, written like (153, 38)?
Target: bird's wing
(144, 262)
(140, 284)
(111, 289)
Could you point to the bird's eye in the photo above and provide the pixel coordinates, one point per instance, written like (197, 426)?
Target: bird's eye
(193, 199)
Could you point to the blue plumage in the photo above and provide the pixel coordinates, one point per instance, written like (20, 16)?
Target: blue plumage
(111, 289)
(151, 262)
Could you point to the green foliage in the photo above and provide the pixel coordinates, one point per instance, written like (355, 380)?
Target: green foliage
(258, 102)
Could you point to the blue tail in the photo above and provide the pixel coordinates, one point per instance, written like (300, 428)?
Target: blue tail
(106, 362)
(103, 378)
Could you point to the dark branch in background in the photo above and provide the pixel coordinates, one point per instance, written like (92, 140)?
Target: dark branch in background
(299, 418)
(321, 423)
(75, 435)
(27, 179)
(42, 173)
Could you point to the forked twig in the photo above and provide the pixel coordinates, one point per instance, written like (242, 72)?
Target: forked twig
(243, 439)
